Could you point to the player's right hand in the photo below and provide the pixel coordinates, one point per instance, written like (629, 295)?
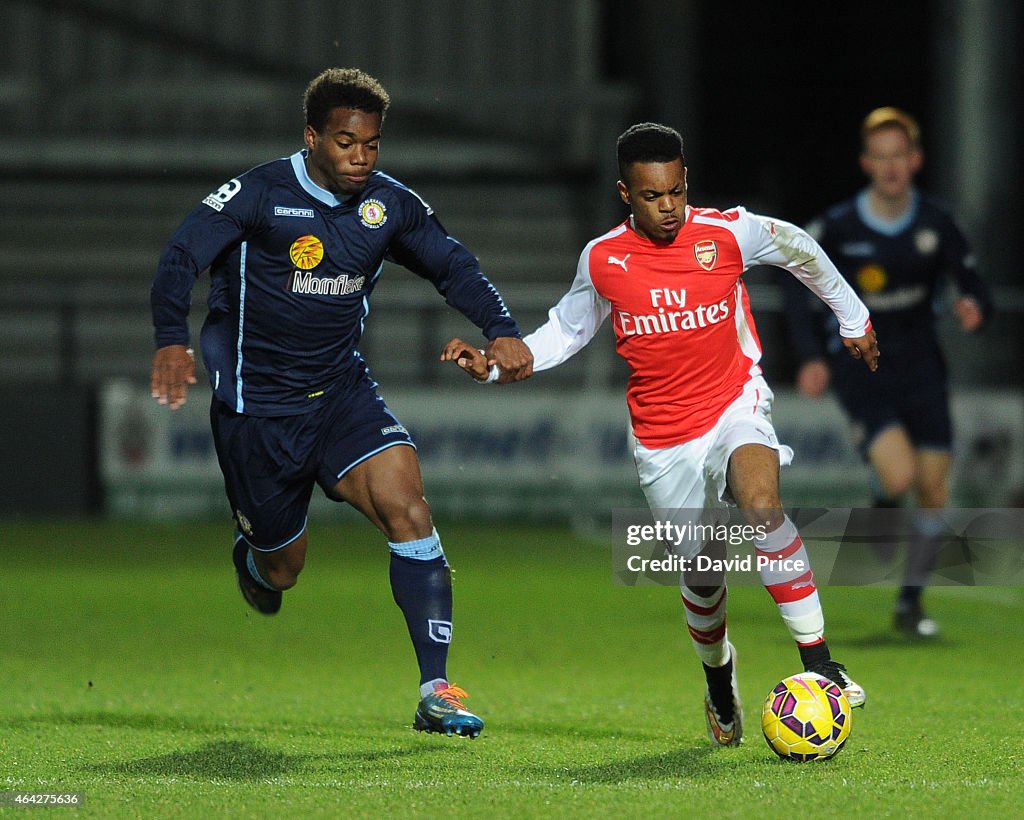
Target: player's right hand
(174, 369)
(467, 357)
(512, 357)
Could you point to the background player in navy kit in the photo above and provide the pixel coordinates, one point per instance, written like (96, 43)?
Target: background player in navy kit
(898, 248)
(295, 247)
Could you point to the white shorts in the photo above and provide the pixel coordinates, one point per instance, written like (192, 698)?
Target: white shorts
(691, 477)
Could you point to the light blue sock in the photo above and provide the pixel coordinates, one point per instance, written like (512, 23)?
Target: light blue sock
(423, 549)
(250, 564)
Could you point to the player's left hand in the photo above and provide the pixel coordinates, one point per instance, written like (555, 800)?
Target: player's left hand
(864, 347)
(968, 311)
(512, 356)
(467, 357)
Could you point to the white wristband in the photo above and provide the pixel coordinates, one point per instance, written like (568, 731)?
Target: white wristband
(492, 376)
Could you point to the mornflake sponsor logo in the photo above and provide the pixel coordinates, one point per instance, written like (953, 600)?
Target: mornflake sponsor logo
(306, 282)
(899, 299)
(305, 213)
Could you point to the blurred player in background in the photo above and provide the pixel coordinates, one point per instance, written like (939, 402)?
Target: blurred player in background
(295, 248)
(670, 277)
(898, 248)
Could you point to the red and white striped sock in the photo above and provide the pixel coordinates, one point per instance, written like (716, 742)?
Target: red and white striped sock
(705, 619)
(785, 570)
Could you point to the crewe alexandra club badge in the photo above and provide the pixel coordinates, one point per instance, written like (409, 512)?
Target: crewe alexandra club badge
(372, 213)
(926, 241)
(706, 253)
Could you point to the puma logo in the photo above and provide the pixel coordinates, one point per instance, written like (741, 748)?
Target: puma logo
(621, 262)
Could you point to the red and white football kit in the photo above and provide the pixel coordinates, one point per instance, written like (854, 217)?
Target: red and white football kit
(682, 316)
(682, 320)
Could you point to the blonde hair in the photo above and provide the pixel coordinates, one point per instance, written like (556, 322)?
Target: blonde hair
(889, 117)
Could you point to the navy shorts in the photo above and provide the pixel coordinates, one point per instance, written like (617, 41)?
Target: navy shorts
(271, 463)
(916, 398)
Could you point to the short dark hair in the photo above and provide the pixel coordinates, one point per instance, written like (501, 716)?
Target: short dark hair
(343, 88)
(648, 142)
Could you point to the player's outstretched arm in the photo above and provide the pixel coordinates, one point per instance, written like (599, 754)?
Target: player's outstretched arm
(473, 361)
(174, 369)
(864, 347)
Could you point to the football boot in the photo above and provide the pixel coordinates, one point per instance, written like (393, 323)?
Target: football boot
(720, 704)
(443, 711)
(836, 672)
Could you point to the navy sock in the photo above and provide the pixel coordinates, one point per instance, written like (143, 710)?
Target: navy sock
(423, 591)
(909, 598)
(928, 535)
(886, 527)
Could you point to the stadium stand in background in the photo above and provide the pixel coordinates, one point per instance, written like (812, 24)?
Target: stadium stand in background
(145, 112)
(117, 116)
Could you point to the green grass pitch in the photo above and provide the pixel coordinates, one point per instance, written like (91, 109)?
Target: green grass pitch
(133, 672)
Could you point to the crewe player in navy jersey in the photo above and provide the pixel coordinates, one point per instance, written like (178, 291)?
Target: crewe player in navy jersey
(898, 248)
(295, 248)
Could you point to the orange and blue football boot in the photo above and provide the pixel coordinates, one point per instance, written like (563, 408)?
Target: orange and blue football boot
(443, 711)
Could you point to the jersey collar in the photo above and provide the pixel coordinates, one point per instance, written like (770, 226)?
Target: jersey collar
(298, 160)
(887, 227)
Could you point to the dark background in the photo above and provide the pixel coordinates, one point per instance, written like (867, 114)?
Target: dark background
(775, 94)
(117, 116)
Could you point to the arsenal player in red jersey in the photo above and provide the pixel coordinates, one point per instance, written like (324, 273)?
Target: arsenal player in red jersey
(670, 278)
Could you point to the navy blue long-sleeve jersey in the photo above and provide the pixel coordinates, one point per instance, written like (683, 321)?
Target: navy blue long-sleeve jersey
(898, 270)
(292, 269)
